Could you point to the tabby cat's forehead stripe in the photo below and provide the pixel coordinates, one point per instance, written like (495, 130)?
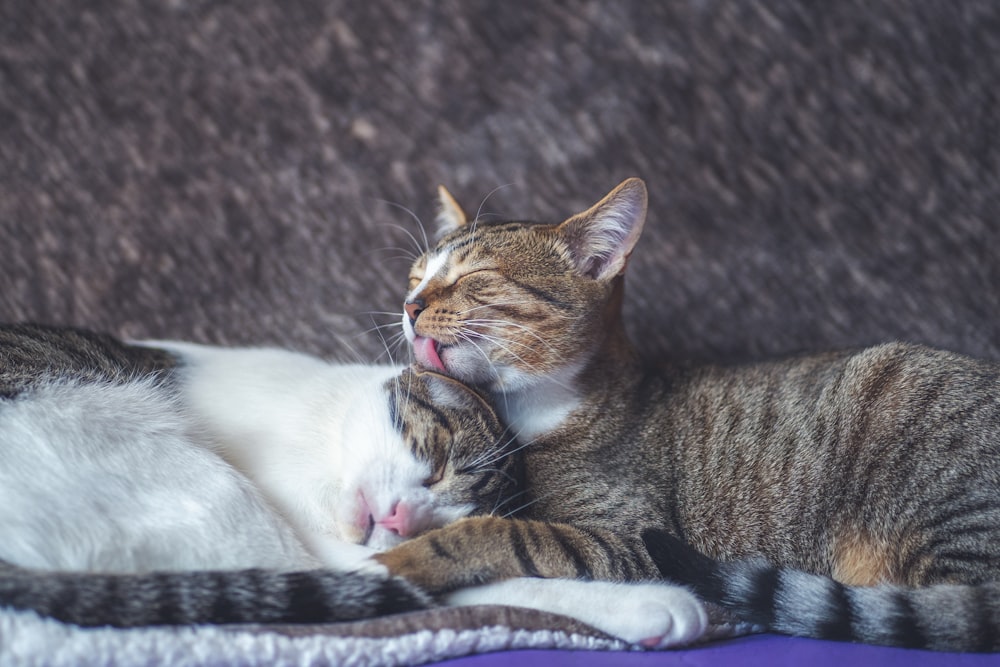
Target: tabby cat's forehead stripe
(473, 239)
(461, 255)
(483, 229)
(435, 263)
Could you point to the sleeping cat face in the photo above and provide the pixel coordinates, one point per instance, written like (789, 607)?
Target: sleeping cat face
(355, 453)
(501, 305)
(415, 476)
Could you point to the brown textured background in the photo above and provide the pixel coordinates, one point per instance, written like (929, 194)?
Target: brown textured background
(821, 174)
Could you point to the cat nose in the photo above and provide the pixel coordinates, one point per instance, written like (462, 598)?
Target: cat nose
(413, 309)
(400, 520)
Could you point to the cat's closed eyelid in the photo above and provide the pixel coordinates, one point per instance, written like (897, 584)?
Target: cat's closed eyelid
(435, 478)
(474, 272)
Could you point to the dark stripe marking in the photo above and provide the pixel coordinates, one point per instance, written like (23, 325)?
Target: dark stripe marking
(839, 625)
(521, 552)
(903, 624)
(572, 553)
(761, 600)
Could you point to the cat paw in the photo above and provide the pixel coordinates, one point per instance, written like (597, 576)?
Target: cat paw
(653, 616)
(416, 561)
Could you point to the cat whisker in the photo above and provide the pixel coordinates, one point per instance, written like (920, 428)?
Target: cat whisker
(492, 192)
(503, 343)
(499, 504)
(420, 226)
(378, 328)
(499, 342)
(529, 504)
(508, 453)
(394, 343)
(515, 325)
(495, 374)
(388, 313)
(494, 454)
(404, 255)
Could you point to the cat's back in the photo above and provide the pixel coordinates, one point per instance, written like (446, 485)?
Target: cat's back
(775, 449)
(264, 395)
(887, 383)
(101, 467)
(31, 354)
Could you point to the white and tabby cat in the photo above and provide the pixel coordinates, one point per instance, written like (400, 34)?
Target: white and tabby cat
(179, 483)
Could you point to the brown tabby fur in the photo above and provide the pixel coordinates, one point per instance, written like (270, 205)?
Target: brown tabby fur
(879, 466)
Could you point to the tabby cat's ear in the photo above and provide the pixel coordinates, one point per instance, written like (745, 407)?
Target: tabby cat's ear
(450, 215)
(601, 238)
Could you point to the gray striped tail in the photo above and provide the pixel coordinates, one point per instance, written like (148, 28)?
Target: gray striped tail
(216, 597)
(963, 618)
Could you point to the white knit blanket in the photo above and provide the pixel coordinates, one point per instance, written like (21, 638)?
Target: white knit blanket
(29, 640)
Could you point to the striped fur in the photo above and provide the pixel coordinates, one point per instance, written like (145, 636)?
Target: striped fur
(31, 354)
(868, 467)
(218, 597)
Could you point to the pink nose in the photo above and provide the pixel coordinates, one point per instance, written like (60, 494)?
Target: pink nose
(413, 309)
(399, 520)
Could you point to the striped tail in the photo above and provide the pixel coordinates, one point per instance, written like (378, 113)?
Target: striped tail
(962, 618)
(217, 597)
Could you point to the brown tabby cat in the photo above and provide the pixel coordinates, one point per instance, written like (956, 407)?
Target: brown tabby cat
(875, 468)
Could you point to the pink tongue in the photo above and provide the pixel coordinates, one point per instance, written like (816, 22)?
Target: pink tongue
(425, 350)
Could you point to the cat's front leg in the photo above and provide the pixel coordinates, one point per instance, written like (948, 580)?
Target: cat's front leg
(653, 615)
(479, 550)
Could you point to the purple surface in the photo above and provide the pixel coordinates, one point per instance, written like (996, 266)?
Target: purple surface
(760, 650)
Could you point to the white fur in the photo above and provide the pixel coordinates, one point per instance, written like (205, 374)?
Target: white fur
(434, 265)
(128, 478)
(535, 406)
(654, 615)
(315, 437)
(110, 478)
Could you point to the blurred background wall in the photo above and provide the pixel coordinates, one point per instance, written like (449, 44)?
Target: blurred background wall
(821, 174)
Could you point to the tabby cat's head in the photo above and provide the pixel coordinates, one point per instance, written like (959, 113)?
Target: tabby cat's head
(501, 304)
(458, 460)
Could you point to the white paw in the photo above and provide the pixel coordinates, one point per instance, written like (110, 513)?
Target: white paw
(654, 616)
(649, 615)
